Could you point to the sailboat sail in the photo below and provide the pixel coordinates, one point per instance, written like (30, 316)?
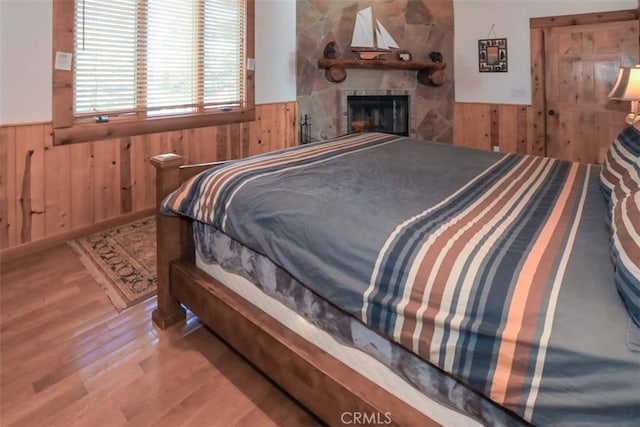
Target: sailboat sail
(368, 36)
(385, 40)
(362, 34)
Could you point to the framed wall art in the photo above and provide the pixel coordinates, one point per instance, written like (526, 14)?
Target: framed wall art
(492, 55)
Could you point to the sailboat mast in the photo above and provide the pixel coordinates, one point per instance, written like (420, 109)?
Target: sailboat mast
(376, 33)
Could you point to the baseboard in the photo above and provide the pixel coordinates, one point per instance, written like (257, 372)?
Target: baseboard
(12, 253)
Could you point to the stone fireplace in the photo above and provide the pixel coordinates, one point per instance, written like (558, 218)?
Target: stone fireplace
(419, 26)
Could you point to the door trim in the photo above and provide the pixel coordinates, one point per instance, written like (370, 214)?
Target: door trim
(537, 27)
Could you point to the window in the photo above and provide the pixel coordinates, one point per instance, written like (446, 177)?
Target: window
(142, 66)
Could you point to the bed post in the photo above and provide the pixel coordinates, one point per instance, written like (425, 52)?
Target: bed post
(169, 310)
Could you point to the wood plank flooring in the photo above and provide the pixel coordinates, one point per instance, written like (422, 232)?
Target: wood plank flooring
(68, 358)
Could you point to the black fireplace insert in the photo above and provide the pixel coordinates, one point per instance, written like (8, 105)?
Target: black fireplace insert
(378, 113)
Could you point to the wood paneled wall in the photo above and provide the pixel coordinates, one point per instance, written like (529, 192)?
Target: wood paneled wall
(48, 190)
(506, 126)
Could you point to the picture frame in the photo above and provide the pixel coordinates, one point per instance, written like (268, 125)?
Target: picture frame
(492, 55)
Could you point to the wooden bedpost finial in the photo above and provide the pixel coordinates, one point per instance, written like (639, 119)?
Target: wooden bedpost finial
(168, 160)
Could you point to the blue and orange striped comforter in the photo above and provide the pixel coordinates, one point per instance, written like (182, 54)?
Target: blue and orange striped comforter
(493, 267)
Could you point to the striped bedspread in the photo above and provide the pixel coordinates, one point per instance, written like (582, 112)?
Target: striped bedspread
(466, 258)
(505, 237)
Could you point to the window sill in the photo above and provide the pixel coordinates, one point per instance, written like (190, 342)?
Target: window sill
(118, 129)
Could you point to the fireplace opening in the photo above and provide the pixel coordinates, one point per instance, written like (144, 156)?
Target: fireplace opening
(378, 113)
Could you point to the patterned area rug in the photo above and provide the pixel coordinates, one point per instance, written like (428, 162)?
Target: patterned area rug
(123, 261)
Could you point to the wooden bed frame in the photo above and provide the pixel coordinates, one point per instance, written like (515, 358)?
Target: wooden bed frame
(320, 382)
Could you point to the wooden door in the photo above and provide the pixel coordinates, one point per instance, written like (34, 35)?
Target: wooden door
(581, 66)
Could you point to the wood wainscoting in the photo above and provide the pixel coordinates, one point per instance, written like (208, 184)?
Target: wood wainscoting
(50, 193)
(507, 126)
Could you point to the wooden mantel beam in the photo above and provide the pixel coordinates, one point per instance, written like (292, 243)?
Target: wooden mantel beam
(428, 72)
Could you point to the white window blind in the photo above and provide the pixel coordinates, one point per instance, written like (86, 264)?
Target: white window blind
(158, 57)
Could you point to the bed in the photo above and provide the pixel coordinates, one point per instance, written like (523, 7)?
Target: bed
(479, 285)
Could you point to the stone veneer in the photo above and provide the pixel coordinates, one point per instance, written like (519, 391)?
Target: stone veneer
(419, 26)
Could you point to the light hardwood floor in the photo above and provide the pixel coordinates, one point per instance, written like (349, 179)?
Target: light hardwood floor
(68, 358)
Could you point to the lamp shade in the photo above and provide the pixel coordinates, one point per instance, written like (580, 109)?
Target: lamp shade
(627, 87)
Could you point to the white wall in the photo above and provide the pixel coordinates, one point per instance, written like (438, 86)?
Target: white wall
(26, 36)
(2, 39)
(473, 20)
(275, 51)
(26, 30)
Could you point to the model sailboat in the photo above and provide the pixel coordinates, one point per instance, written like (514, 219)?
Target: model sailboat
(370, 39)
